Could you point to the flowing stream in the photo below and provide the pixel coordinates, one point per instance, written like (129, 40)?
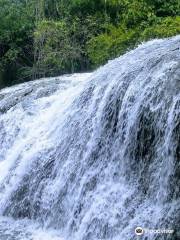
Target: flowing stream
(93, 156)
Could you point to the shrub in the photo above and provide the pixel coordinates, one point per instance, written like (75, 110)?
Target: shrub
(163, 27)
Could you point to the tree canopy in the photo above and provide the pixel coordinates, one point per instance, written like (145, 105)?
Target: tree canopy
(50, 37)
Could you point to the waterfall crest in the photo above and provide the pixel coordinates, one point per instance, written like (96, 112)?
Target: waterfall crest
(95, 155)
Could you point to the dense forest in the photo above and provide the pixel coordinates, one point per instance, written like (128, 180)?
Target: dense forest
(40, 38)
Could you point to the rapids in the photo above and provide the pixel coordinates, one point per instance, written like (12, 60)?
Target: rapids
(92, 156)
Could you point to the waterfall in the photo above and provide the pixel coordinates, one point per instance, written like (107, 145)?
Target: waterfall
(92, 156)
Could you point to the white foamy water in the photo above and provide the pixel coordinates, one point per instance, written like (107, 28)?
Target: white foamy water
(92, 156)
(25, 230)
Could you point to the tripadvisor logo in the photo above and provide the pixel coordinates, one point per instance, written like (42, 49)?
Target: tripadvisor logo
(139, 231)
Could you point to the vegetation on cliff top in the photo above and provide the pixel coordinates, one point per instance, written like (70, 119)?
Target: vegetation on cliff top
(52, 37)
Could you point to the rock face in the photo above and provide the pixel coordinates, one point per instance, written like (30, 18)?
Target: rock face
(96, 155)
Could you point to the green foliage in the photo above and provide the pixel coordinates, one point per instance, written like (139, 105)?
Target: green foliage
(139, 23)
(164, 27)
(112, 44)
(164, 8)
(51, 37)
(137, 12)
(98, 49)
(56, 53)
(16, 26)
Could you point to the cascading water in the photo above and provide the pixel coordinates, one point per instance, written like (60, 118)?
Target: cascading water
(93, 156)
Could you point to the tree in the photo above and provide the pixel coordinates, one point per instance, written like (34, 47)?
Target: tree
(57, 54)
(16, 26)
(50, 37)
